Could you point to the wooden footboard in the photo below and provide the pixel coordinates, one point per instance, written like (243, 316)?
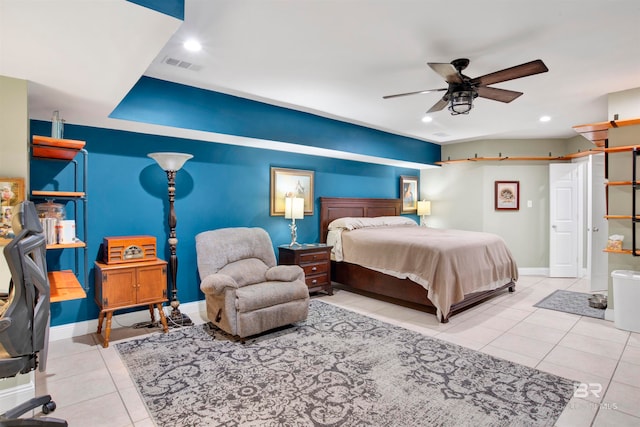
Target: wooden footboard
(374, 283)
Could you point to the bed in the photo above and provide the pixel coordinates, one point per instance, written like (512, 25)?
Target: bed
(444, 294)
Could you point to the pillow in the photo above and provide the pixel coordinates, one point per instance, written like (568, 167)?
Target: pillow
(351, 223)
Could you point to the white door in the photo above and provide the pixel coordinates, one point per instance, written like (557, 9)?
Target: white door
(597, 226)
(563, 219)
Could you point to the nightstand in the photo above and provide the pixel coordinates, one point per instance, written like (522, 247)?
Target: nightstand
(315, 260)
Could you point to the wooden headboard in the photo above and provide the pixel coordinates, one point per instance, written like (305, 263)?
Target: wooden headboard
(339, 207)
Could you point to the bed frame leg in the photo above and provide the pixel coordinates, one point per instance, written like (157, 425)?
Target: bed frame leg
(511, 289)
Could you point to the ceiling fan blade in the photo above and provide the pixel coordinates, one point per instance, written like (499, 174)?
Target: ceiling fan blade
(438, 106)
(448, 71)
(412, 93)
(522, 70)
(496, 94)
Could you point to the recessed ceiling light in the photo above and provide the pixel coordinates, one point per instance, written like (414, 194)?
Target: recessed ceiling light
(192, 45)
(427, 119)
(545, 118)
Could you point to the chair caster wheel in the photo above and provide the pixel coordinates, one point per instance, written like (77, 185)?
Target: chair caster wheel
(48, 407)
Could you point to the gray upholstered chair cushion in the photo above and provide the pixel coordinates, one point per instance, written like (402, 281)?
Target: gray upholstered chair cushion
(285, 273)
(246, 271)
(255, 297)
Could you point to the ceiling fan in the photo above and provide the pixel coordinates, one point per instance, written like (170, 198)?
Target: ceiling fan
(463, 90)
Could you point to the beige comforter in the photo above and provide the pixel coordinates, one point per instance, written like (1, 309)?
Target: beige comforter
(448, 263)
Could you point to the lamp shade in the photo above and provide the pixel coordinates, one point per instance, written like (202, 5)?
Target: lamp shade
(424, 207)
(170, 161)
(294, 207)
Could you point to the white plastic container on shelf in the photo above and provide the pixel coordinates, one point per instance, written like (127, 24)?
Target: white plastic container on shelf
(66, 231)
(626, 298)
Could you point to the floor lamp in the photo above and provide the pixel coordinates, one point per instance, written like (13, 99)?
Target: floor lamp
(171, 163)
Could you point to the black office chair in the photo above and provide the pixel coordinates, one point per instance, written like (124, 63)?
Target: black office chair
(24, 316)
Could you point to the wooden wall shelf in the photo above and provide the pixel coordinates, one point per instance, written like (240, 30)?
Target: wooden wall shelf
(621, 149)
(67, 245)
(598, 133)
(524, 158)
(58, 194)
(621, 251)
(56, 148)
(616, 183)
(65, 286)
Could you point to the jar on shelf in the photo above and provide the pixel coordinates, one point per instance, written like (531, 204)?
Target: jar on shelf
(51, 210)
(51, 215)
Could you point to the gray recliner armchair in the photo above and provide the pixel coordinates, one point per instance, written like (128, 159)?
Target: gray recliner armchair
(246, 292)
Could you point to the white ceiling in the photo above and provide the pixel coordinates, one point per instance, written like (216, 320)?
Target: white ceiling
(335, 58)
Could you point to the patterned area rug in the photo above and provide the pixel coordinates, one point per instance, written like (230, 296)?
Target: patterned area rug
(337, 368)
(570, 302)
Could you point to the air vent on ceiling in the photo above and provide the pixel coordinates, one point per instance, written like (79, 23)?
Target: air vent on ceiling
(441, 134)
(181, 64)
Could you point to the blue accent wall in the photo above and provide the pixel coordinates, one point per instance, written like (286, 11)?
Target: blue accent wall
(173, 8)
(171, 104)
(222, 186)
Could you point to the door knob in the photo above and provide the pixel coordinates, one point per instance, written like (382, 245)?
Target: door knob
(595, 229)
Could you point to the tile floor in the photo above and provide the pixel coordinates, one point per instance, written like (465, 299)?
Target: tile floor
(92, 387)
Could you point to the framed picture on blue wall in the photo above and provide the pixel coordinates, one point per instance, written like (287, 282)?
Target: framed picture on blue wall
(291, 183)
(409, 193)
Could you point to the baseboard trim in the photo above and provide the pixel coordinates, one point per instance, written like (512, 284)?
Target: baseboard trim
(608, 314)
(70, 330)
(16, 390)
(534, 271)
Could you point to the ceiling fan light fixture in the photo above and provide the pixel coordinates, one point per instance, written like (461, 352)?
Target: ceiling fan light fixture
(461, 102)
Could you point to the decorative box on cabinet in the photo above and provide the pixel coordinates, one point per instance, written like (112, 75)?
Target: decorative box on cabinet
(314, 259)
(120, 286)
(65, 285)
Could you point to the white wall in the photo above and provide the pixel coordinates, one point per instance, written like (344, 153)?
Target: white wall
(462, 197)
(14, 163)
(462, 194)
(625, 104)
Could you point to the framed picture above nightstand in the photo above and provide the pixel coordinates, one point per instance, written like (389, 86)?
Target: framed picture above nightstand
(315, 260)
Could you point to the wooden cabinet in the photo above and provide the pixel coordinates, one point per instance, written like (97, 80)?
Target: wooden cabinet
(315, 260)
(120, 286)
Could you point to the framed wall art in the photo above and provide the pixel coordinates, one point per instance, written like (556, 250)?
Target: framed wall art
(11, 193)
(291, 183)
(409, 193)
(507, 195)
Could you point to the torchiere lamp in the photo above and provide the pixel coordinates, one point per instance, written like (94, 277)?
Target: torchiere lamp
(293, 209)
(171, 163)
